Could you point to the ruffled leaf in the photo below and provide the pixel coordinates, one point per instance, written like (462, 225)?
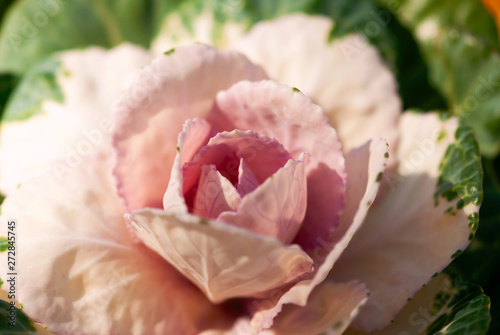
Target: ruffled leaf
(407, 236)
(330, 307)
(247, 182)
(151, 113)
(195, 133)
(80, 272)
(223, 261)
(365, 164)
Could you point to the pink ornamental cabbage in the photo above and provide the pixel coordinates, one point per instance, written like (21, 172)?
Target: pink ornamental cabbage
(249, 206)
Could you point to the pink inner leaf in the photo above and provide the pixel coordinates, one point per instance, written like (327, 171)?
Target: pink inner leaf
(215, 194)
(194, 135)
(277, 207)
(263, 155)
(247, 182)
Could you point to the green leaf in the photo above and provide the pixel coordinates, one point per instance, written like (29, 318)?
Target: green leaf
(362, 16)
(4, 243)
(459, 42)
(39, 84)
(266, 10)
(21, 326)
(447, 305)
(466, 14)
(33, 30)
(183, 21)
(480, 263)
(465, 312)
(469, 78)
(2, 198)
(461, 175)
(3, 6)
(7, 84)
(412, 72)
(107, 23)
